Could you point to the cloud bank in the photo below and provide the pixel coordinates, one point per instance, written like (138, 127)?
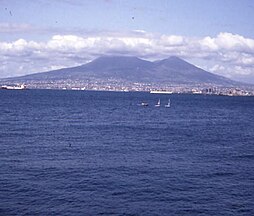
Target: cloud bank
(226, 54)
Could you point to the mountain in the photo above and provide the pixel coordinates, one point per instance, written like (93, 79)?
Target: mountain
(180, 71)
(118, 67)
(172, 70)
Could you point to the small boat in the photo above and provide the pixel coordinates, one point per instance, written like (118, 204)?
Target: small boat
(168, 105)
(158, 104)
(144, 104)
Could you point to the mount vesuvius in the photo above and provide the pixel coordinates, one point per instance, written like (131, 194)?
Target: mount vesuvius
(172, 70)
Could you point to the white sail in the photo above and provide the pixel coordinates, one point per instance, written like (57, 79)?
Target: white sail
(168, 105)
(159, 103)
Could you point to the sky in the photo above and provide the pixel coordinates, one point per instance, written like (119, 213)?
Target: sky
(43, 35)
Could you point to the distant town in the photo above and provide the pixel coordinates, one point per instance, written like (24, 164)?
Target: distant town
(123, 86)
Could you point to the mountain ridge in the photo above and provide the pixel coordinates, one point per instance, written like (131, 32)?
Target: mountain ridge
(172, 70)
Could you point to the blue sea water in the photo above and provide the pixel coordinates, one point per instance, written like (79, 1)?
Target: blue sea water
(99, 153)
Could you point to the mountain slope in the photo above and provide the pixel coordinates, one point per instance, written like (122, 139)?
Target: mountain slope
(132, 69)
(129, 68)
(179, 70)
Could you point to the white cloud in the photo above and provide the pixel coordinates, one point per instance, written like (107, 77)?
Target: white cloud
(217, 68)
(227, 54)
(14, 28)
(233, 42)
(227, 41)
(171, 40)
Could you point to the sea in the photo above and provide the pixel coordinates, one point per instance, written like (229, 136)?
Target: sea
(101, 153)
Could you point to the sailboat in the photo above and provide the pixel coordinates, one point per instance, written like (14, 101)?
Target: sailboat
(144, 104)
(158, 104)
(168, 105)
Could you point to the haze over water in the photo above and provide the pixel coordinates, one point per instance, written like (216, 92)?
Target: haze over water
(99, 153)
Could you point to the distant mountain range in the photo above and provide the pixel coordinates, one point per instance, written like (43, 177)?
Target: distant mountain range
(172, 70)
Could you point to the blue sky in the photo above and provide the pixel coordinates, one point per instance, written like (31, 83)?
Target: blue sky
(41, 35)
